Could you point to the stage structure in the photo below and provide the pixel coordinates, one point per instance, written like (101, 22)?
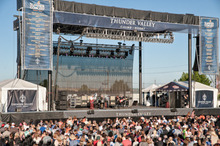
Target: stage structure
(102, 22)
(88, 69)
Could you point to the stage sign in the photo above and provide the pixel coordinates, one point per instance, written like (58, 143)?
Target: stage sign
(209, 45)
(37, 35)
(204, 98)
(21, 99)
(118, 23)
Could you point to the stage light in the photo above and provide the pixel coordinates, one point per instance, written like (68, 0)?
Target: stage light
(124, 45)
(81, 41)
(117, 50)
(119, 45)
(86, 50)
(166, 37)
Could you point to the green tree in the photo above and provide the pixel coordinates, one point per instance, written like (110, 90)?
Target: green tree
(196, 77)
(84, 89)
(119, 86)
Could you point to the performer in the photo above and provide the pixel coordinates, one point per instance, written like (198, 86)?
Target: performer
(106, 101)
(91, 102)
(117, 101)
(186, 101)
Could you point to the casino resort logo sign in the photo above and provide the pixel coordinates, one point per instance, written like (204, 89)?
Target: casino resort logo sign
(209, 24)
(37, 6)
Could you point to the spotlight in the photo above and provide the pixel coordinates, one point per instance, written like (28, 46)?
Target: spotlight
(124, 45)
(165, 35)
(81, 41)
(171, 34)
(119, 43)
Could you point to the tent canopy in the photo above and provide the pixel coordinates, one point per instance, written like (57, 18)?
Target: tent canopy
(150, 88)
(195, 85)
(172, 86)
(18, 84)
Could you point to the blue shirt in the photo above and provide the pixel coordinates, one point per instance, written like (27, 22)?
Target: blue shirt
(74, 143)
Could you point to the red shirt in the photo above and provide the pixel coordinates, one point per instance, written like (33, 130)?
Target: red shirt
(96, 141)
(126, 142)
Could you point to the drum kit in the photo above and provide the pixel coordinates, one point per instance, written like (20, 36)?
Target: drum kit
(101, 102)
(122, 101)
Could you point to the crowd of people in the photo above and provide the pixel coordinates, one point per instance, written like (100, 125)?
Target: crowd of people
(187, 130)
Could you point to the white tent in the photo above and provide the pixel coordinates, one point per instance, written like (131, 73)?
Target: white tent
(18, 84)
(149, 89)
(196, 86)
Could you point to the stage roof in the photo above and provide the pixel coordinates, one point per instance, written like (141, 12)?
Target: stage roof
(98, 10)
(74, 18)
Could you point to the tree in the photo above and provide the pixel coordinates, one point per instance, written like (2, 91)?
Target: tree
(196, 77)
(84, 89)
(119, 87)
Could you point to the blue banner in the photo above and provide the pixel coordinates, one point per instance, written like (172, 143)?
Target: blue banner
(120, 23)
(209, 45)
(37, 35)
(204, 98)
(22, 99)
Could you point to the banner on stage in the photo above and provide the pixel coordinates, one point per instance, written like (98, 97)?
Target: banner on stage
(204, 98)
(22, 99)
(117, 23)
(37, 35)
(209, 45)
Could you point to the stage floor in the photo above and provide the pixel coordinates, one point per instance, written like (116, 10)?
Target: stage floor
(134, 111)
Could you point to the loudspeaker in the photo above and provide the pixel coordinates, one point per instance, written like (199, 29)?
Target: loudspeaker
(173, 110)
(134, 111)
(135, 103)
(90, 112)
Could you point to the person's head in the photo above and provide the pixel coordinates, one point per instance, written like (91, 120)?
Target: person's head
(143, 139)
(170, 139)
(119, 139)
(127, 136)
(98, 137)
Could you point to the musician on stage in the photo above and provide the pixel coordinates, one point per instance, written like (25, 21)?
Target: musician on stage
(91, 102)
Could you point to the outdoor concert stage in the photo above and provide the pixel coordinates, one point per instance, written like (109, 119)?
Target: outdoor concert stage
(134, 111)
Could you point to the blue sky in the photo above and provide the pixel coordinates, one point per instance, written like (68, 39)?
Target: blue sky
(162, 63)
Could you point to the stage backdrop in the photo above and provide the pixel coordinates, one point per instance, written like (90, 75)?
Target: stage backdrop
(22, 99)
